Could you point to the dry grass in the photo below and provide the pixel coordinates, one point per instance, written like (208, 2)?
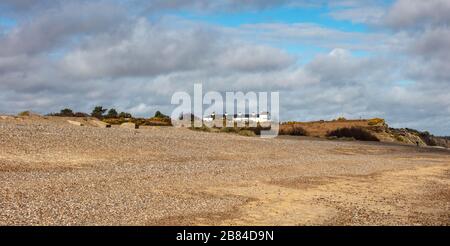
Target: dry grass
(321, 128)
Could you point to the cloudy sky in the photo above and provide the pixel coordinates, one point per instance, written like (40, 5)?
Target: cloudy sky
(388, 59)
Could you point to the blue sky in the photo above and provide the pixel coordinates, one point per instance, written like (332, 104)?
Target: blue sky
(285, 14)
(7, 24)
(327, 59)
(318, 15)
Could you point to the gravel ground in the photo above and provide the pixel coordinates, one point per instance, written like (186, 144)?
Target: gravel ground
(55, 173)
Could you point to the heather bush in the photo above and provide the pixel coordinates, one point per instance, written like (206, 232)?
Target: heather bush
(293, 130)
(353, 132)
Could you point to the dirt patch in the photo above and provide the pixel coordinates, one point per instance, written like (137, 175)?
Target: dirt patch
(409, 197)
(301, 182)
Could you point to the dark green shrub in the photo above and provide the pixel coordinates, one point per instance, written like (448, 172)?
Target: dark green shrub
(293, 130)
(158, 114)
(112, 113)
(125, 115)
(67, 112)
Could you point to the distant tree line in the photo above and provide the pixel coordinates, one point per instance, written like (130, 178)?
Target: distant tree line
(67, 112)
(102, 113)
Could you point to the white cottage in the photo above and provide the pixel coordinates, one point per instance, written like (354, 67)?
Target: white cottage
(240, 117)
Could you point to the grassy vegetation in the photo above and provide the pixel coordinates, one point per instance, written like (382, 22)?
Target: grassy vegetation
(341, 119)
(247, 133)
(243, 131)
(28, 113)
(376, 121)
(229, 129)
(399, 138)
(138, 121)
(24, 113)
(291, 122)
(353, 132)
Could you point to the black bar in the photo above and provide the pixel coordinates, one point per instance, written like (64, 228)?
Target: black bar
(279, 234)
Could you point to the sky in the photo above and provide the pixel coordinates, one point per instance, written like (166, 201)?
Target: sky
(356, 59)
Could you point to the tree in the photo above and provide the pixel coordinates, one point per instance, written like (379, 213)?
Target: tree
(112, 113)
(98, 112)
(158, 114)
(125, 115)
(67, 112)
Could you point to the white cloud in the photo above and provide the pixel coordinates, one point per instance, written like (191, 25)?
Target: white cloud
(361, 14)
(412, 14)
(152, 49)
